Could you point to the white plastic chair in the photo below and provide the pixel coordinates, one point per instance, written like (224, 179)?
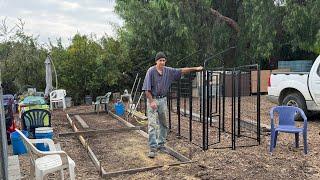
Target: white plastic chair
(45, 162)
(57, 96)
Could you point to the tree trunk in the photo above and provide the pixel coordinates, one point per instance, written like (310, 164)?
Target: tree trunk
(229, 57)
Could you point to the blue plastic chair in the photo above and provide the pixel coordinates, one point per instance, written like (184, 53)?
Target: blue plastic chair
(287, 124)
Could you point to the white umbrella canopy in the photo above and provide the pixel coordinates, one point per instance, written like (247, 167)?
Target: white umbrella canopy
(49, 86)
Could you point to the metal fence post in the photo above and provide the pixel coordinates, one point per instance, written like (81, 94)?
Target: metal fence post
(3, 136)
(258, 105)
(190, 108)
(178, 106)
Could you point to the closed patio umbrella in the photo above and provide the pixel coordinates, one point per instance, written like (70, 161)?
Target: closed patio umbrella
(49, 86)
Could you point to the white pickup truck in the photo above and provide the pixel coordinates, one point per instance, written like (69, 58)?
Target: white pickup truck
(301, 89)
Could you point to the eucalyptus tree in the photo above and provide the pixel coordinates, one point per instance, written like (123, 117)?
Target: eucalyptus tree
(179, 28)
(281, 31)
(259, 29)
(302, 24)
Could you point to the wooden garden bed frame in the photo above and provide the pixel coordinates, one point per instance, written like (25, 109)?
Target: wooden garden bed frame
(103, 173)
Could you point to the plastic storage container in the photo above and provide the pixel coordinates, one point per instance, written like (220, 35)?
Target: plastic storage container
(17, 143)
(88, 100)
(119, 108)
(68, 102)
(42, 133)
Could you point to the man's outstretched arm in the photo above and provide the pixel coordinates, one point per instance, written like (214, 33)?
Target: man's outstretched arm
(191, 69)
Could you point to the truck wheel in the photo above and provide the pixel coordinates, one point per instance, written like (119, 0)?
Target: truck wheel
(296, 100)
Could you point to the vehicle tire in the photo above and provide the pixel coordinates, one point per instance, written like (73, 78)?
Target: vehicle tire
(295, 99)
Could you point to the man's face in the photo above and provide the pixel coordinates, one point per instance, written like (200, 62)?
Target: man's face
(161, 62)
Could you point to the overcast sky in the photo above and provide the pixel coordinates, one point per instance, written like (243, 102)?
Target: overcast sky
(62, 18)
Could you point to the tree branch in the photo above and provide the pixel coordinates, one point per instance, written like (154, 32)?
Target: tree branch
(230, 22)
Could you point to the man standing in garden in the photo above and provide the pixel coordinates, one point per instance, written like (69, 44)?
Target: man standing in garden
(156, 85)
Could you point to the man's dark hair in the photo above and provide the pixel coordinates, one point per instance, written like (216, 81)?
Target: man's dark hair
(160, 55)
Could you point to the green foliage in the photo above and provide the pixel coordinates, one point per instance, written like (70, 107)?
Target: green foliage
(186, 31)
(180, 28)
(281, 32)
(85, 67)
(259, 27)
(22, 62)
(302, 23)
(88, 67)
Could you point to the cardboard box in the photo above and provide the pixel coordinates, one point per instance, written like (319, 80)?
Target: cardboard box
(264, 77)
(244, 84)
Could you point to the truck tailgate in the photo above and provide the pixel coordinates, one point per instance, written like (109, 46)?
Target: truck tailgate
(282, 80)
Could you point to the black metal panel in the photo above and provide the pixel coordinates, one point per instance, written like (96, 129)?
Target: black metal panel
(208, 117)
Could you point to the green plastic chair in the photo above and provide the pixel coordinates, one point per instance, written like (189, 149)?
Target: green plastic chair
(35, 118)
(102, 100)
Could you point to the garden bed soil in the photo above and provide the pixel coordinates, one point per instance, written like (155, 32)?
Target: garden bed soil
(120, 151)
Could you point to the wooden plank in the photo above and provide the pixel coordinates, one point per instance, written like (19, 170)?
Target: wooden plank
(14, 168)
(144, 134)
(142, 169)
(81, 121)
(172, 152)
(93, 157)
(177, 155)
(104, 174)
(82, 113)
(253, 124)
(105, 131)
(195, 115)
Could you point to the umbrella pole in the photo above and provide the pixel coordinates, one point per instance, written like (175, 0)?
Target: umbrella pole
(55, 72)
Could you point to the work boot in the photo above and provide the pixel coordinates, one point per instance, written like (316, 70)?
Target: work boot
(152, 153)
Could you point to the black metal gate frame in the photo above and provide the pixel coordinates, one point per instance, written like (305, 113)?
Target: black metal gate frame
(178, 96)
(236, 106)
(206, 105)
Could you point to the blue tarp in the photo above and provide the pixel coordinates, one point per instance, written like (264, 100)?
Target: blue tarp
(33, 100)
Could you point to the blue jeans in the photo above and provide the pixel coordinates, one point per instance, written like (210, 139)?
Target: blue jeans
(157, 123)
